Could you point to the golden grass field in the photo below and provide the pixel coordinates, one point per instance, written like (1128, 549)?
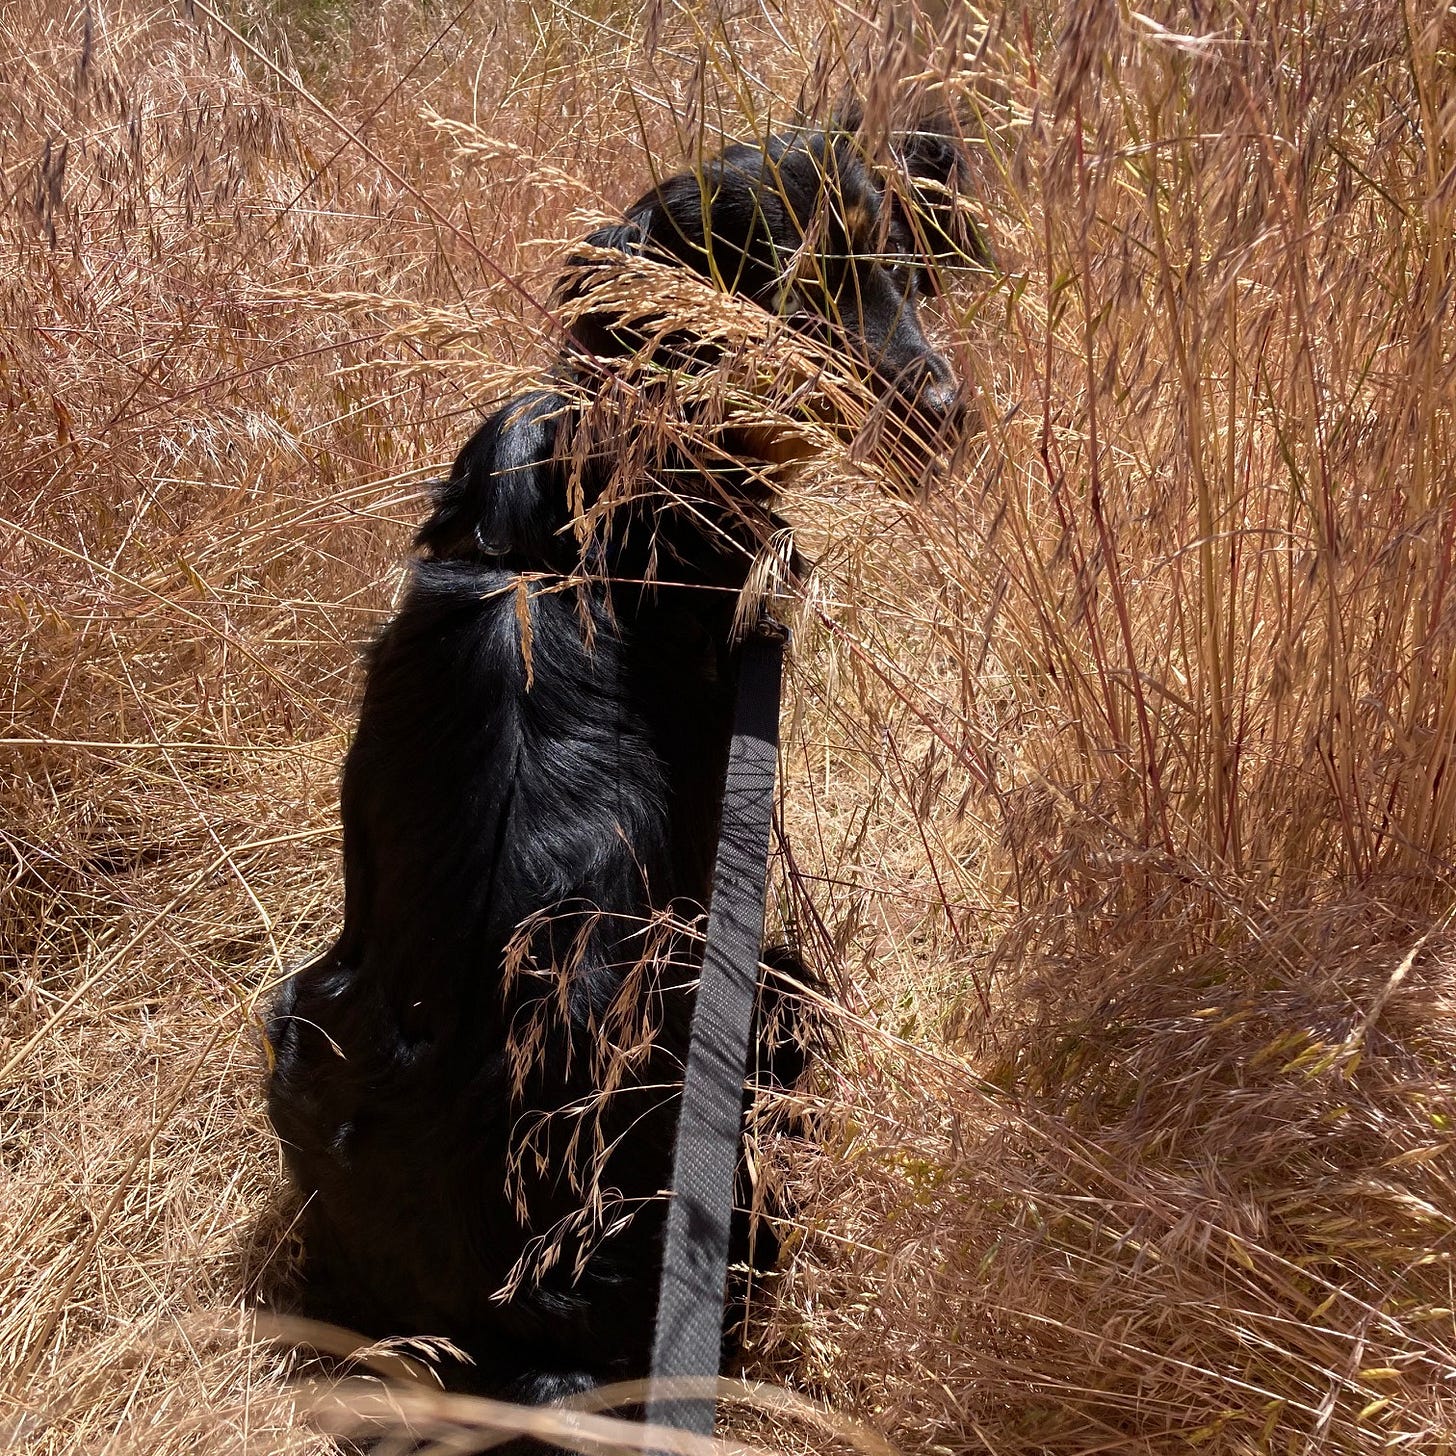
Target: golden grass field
(1118, 770)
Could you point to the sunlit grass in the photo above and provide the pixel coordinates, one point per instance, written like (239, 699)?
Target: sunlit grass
(1117, 767)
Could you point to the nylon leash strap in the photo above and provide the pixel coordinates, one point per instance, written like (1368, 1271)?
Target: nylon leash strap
(689, 1334)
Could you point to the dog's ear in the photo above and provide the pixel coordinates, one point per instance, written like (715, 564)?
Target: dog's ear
(732, 219)
(934, 204)
(599, 332)
(504, 495)
(718, 225)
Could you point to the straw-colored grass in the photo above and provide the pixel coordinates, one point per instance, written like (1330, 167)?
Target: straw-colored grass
(1118, 770)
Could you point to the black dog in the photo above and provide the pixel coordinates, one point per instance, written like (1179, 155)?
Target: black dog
(475, 1087)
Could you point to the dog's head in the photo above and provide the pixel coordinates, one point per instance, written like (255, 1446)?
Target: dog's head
(803, 227)
(806, 228)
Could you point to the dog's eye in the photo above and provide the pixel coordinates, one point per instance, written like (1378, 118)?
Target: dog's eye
(903, 274)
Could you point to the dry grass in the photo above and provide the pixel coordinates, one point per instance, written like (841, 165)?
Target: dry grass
(1118, 773)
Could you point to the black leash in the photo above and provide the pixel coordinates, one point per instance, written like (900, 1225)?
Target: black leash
(689, 1336)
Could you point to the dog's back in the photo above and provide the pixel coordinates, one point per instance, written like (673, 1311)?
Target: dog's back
(425, 1094)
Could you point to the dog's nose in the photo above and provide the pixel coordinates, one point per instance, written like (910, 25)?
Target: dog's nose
(938, 399)
(932, 392)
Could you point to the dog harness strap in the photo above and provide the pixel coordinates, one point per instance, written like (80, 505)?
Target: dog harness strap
(689, 1335)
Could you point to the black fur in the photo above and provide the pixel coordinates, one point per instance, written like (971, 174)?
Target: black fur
(542, 744)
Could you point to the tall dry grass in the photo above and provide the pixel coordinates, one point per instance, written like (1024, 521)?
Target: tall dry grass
(1117, 769)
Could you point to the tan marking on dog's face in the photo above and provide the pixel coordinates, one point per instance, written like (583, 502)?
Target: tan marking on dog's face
(861, 222)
